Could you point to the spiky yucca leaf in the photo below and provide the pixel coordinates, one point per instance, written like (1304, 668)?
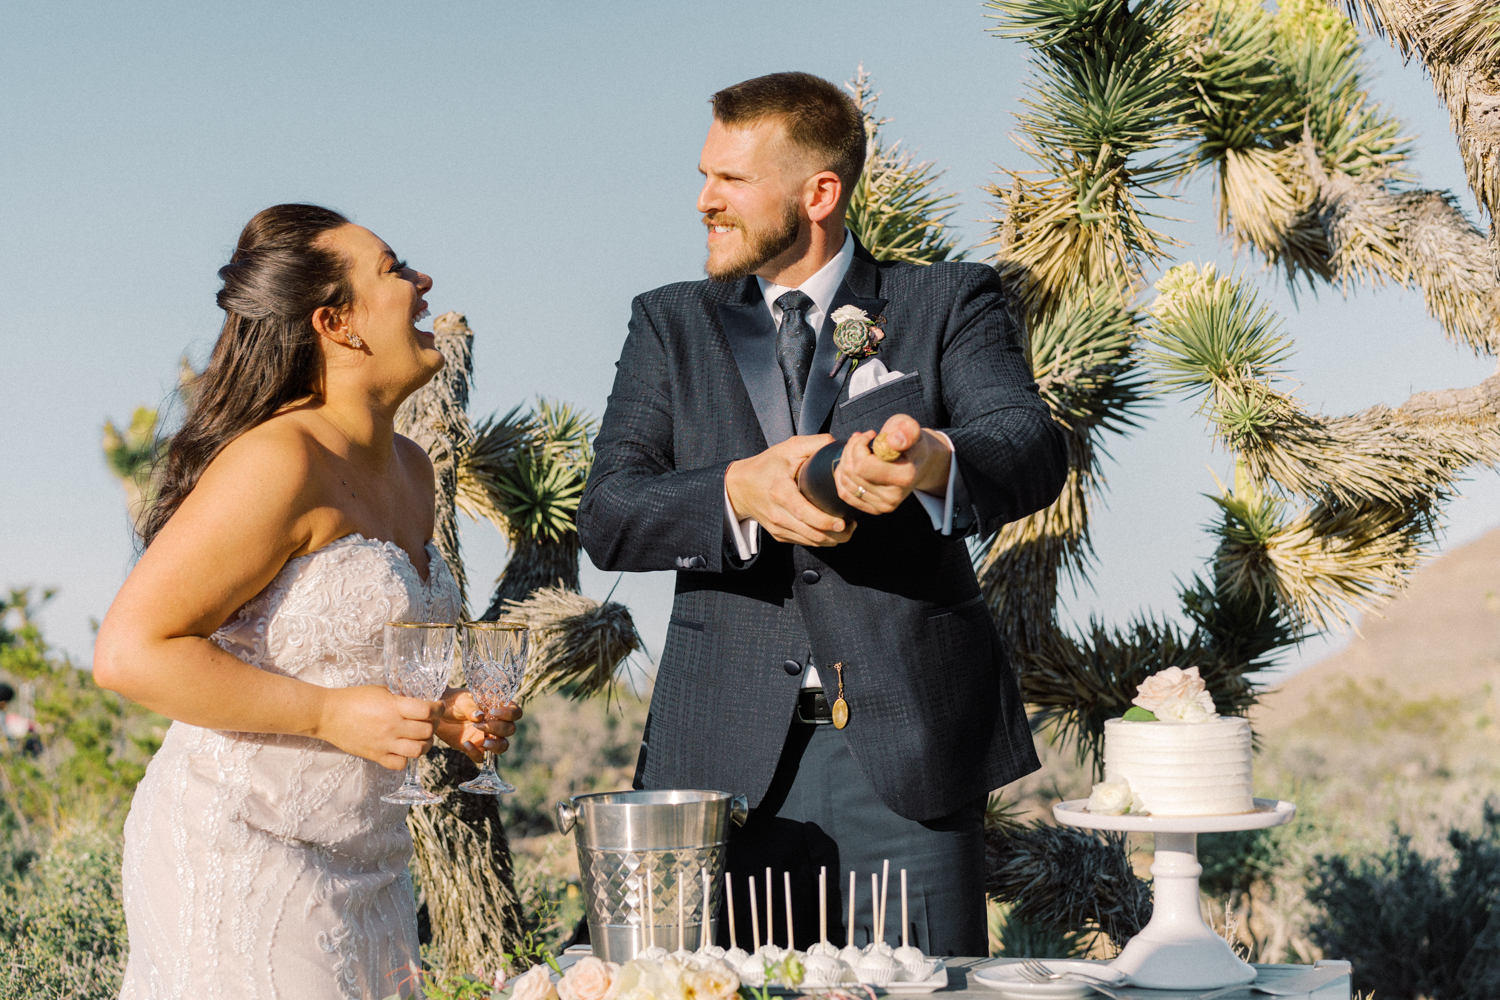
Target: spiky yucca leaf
(1105, 98)
(896, 210)
(576, 642)
(526, 472)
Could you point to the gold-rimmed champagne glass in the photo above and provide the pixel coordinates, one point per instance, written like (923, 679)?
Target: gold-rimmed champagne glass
(418, 659)
(494, 666)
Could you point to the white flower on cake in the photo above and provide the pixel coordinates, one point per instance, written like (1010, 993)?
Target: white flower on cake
(1114, 798)
(1176, 695)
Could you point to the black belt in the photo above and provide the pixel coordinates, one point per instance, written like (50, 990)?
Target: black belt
(813, 707)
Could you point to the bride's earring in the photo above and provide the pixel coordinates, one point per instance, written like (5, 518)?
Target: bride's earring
(355, 342)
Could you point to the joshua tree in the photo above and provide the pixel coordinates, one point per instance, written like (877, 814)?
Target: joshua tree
(1326, 515)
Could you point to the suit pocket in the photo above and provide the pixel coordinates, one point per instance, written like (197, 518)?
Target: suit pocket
(869, 410)
(686, 623)
(954, 609)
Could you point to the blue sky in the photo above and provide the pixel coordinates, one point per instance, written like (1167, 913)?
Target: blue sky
(538, 160)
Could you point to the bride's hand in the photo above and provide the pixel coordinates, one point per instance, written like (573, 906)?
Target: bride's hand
(470, 731)
(370, 722)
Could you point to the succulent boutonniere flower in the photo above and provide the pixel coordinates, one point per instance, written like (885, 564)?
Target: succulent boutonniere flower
(856, 336)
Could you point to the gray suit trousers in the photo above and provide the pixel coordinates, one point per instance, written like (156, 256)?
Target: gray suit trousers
(821, 811)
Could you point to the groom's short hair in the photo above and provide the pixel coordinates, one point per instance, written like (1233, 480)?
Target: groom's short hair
(818, 116)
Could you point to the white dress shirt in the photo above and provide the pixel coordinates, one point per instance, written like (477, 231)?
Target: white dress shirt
(821, 288)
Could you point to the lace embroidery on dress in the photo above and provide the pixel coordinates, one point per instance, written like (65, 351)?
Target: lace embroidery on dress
(264, 865)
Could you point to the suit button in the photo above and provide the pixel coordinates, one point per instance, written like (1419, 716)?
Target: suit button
(811, 576)
(792, 667)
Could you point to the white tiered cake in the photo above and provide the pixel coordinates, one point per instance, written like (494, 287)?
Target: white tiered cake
(1182, 768)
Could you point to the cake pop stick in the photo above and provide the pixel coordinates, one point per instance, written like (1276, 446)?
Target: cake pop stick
(823, 905)
(681, 922)
(874, 905)
(849, 934)
(729, 907)
(703, 909)
(905, 935)
(650, 913)
(754, 917)
(885, 885)
(786, 893)
(770, 910)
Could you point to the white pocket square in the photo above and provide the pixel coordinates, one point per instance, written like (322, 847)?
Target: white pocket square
(870, 375)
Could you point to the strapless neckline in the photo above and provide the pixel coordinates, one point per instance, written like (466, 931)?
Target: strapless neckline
(356, 538)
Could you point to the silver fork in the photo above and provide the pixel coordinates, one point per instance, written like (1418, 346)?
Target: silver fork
(1033, 971)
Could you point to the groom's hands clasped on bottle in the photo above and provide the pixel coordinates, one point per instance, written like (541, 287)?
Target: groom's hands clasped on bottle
(764, 487)
(870, 484)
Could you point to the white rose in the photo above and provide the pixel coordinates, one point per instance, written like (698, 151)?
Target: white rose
(1138, 804)
(843, 313)
(535, 984)
(587, 979)
(1173, 683)
(1197, 709)
(715, 981)
(641, 979)
(1110, 798)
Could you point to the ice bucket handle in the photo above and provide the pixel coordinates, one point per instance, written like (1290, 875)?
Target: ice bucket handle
(739, 810)
(567, 817)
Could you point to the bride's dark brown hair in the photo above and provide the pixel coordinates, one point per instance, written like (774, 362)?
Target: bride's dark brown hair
(267, 354)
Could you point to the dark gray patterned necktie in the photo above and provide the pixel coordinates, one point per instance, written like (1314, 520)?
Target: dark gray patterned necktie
(795, 343)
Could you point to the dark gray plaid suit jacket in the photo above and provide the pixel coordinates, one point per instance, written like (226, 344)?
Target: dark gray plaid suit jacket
(936, 717)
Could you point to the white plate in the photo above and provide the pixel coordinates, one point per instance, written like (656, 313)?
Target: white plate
(1007, 979)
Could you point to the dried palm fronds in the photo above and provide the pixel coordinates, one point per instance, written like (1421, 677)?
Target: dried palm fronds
(896, 210)
(577, 643)
(1375, 234)
(436, 417)
(1458, 42)
(1067, 879)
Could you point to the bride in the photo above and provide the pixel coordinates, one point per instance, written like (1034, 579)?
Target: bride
(291, 523)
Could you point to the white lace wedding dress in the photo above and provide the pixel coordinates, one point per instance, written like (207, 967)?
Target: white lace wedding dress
(261, 866)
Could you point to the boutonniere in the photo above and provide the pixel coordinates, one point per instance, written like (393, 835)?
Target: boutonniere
(856, 336)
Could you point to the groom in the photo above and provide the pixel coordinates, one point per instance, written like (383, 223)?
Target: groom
(723, 389)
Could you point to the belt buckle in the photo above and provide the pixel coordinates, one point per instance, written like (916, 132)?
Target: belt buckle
(812, 695)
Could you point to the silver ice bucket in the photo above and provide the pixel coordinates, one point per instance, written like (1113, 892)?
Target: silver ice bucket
(642, 856)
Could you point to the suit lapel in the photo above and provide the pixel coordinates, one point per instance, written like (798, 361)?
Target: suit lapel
(752, 339)
(859, 288)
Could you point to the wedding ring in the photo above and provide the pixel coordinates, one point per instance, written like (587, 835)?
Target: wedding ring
(860, 495)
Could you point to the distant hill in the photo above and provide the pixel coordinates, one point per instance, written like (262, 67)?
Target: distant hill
(1403, 725)
(1440, 639)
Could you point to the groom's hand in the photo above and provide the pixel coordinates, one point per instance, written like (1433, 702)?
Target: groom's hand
(765, 488)
(868, 483)
(469, 730)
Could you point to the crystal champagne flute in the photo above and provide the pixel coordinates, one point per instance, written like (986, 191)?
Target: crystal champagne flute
(494, 665)
(418, 659)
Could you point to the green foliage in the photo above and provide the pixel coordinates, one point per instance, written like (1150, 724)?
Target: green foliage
(96, 743)
(1412, 925)
(1019, 938)
(62, 927)
(526, 472)
(131, 453)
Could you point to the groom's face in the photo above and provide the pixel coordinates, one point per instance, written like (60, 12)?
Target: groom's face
(752, 197)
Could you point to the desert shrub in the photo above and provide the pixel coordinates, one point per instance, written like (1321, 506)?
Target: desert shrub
(1416, 926)
(62, 927)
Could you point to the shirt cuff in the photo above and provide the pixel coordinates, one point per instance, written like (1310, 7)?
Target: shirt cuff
(746, 533)
(940, 509)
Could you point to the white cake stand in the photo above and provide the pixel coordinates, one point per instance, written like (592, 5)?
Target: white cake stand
(1177, 950)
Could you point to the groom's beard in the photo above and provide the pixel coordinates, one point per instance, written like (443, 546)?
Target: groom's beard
(761, 245)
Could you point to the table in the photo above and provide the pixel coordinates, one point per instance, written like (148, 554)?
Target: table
(961, 982)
